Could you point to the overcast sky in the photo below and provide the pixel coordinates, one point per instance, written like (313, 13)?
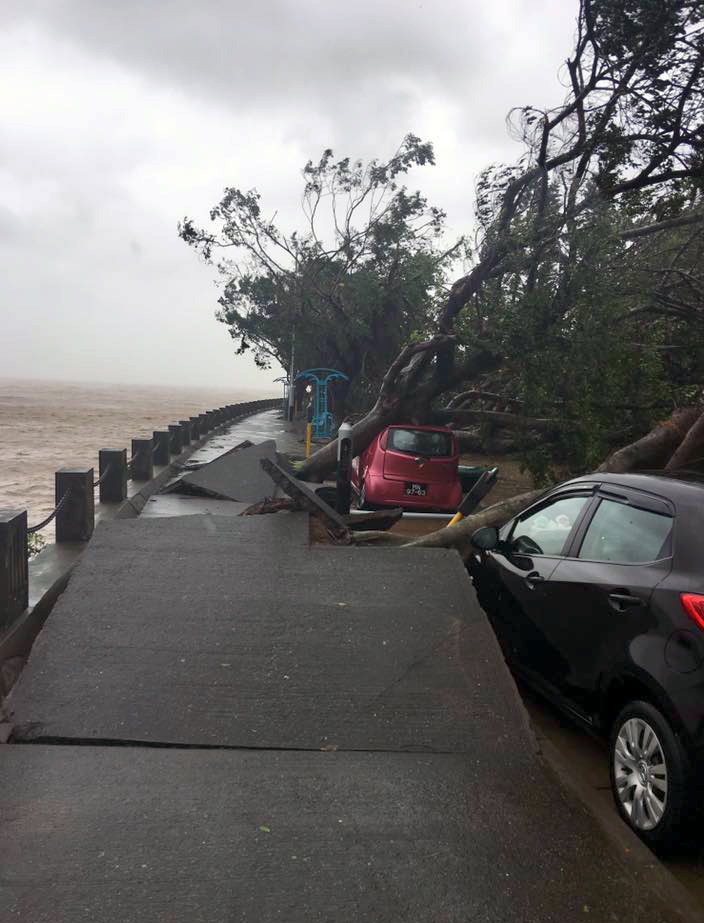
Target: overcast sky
(118, 117)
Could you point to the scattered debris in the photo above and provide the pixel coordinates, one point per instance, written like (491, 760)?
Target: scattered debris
(272, 505)
(379, 520)
(236, 475)
(334, 524)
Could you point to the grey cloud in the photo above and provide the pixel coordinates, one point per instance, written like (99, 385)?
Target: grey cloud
(293, 51)
(12, 229)
(90, 234)
(296, 55)
(355, 67)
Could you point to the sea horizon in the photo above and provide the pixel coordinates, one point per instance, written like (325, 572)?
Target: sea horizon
(47, 424)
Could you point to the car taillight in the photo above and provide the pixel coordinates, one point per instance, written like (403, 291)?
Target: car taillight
(693, 605)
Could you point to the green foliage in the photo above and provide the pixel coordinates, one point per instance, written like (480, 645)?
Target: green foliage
(360, 279)
(583, 339)
(35, 543)
(593, 329)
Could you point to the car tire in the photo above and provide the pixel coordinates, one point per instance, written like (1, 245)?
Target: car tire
(649, 774)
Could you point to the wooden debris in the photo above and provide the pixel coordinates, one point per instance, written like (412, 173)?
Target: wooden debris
(308, 500)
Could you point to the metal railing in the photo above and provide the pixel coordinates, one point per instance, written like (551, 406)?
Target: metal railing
(74, 510)
(57, 509)
(103, 477)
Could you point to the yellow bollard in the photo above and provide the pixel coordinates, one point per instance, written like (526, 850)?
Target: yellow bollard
(309, 437)
(458, 517)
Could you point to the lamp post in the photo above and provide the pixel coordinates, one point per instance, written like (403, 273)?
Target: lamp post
(290, 378)
(309, 422)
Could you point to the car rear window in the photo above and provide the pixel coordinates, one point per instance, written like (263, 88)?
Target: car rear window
(624, 534)
(423, 442)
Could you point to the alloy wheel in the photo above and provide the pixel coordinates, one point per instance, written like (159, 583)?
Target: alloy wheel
(640, 773)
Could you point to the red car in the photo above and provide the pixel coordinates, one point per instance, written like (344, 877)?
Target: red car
(410, 466)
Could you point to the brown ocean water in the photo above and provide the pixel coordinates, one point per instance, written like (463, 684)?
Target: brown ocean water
(47, 425)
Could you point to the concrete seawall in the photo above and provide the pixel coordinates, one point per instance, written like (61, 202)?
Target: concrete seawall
(49, 571)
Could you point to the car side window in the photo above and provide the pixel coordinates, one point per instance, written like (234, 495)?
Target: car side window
(546, 531)
(624, 534)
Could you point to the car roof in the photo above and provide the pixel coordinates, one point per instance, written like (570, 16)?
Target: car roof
(681, 485)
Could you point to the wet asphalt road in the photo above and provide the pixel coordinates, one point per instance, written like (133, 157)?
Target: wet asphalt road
(587, 758)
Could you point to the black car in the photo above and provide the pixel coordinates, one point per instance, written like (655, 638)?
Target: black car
(596, 593)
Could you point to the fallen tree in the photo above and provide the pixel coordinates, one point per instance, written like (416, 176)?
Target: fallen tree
(605, 177)
(405, 395)
(672, 445)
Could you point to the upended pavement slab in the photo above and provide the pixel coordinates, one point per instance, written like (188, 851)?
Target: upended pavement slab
(236, 475)
(170, 633)
(183, 505)
(192, 836)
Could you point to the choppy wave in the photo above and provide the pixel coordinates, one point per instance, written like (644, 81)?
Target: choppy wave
(46, 425)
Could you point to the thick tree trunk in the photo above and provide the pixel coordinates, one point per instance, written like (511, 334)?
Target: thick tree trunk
(459, 536)
(397, 388)
(672, 444)
(510, 420)
(499, 401)
(691, 450)
(503, 442)
(324, 461)
(655, 449)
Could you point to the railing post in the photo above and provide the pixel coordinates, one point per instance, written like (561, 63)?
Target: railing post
(195, 429)
(162, 450)
(14, 581)
(185, 431)
(176, 438)
(143, 455)
(75, 517)
(112, 472)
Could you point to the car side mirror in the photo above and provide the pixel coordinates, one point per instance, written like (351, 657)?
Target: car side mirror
(486, 538)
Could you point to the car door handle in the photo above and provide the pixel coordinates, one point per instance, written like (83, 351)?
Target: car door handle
(534, 578)
(622, 600)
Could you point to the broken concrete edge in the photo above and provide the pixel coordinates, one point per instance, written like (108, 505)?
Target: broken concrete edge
(177, 484)
(234, 475)
(50, 570)
(309, 500)
(634, 857)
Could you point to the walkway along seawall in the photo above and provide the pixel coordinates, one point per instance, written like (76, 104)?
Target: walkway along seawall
(222, 722)
(29, 588)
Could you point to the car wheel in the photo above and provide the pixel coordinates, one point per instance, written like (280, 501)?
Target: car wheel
(649, 770)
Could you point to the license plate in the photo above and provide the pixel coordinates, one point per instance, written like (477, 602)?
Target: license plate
(416, 490)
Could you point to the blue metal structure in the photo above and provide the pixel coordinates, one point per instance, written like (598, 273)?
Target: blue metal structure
(321, 379)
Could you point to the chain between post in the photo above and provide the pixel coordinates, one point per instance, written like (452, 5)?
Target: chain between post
(57, 509)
